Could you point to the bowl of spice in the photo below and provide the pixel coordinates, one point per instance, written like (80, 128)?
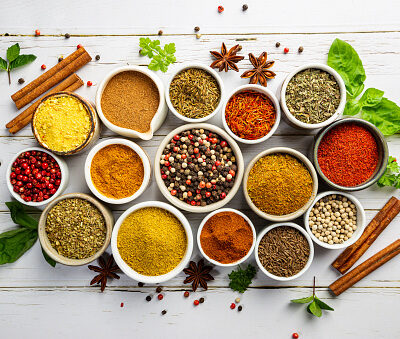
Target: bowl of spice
(117, 171)
(284, 251)
(313, 96)
(152, 242)
(335, 220)
(75, 229)
(251, 114)
(131, 102)
(194, 93)
(350, 155)
(198, 167)
(280, 184)
(65, 123)
(36, 177)
(226, 237)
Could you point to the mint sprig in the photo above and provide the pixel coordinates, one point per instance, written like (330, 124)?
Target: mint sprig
(161, 58)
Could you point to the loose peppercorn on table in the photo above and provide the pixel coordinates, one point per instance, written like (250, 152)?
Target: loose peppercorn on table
(59, 302)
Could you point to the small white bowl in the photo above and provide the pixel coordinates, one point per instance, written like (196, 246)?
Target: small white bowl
(361, 219)
(146, 166)
(305, 161)
(158, 118)
(310, 258)
(160, 278)
(208, 70)
(61, 188)
(245, 217)
(270, 95)
(182, 205)
(302, 125)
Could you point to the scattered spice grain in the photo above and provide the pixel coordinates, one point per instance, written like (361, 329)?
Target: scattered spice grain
(97, 57)
(245, 7)
(159, 289)
(148, 298)
(21, 81)
(201, 300)
(197, 28)
(301, 49)
(67, 35)
(277, 44)
(240, 307)
(164, 312)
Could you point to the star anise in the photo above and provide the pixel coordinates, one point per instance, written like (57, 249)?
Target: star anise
(106, 270)
(260, 73)
(198, 274)
(226, 60)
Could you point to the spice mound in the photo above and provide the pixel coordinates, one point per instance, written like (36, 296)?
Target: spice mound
(198, 167)
(226, 237)
(250, 115)
(194, 93)
(279, 184)
(152, 241)
(75, 228)
(284, 251)
(35, 176)
(130, 100)
(348, 155)
(312, 96)
(62, 123)
(333, 219)
(117, 171)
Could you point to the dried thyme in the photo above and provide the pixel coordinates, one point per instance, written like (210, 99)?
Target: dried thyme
(194, 93)
(312, 96)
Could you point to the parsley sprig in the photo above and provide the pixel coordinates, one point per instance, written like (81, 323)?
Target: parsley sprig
(161, 58)
(391, 176)
(315, 305)
(241, 279)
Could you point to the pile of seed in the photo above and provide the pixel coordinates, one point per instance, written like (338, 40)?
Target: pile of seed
(333, 219)
(284, 251)
(198, 167)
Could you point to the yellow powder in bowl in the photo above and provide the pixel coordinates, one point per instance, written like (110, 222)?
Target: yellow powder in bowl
(62, 123)
(152, 241)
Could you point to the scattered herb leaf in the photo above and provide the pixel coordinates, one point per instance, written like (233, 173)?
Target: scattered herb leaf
(161, 57)
(49, 260)
(241, 279)
(391, 176)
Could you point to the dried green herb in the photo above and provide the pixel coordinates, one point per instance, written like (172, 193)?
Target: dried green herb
(194, 93)
(312, 96)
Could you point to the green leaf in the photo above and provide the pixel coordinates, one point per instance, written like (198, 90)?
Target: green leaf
(323, 305)
(161, 57)
(345, 60)
(3, 64)
(13, 52)
(13, 244)
(20, 217)
(22, 60)
(241, 279)
(314, 309)
(50, 261)
(391, 175)
(352, 107)
(302, 300)
(371, 97)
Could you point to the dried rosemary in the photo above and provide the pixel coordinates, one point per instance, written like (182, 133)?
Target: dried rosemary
(312, 96)
(194, 93)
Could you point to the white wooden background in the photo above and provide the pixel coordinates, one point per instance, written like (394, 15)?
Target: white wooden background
(39, 301)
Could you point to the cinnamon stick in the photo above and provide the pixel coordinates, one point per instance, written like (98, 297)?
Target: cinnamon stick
(72, 83)
(352, 253)
(52, 77)
(368, 266)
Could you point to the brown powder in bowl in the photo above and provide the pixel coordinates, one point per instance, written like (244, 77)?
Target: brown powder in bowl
(130, 100)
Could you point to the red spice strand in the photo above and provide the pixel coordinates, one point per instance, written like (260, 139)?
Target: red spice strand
(250, 115)
(348, 155)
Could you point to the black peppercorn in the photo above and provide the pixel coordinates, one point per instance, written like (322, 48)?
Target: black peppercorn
(240, 308)
(164, 312)
(148, 298)
(21, 81)
(140, 284)
(60, 59)
(6, 34)
(301, 49)
(97, 57)
(159, 289)
(160, 32)
(245, 7)
(67, 35)
(197, 28)
(277, 44)
(201, 300)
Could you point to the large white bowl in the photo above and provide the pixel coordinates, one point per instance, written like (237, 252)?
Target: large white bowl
(160, 278)
(158, 118)
(61, 188)
(146, 166)
(305, 161)
(270, 95)
(310, 258)
(217, 263)
(210, 71)
(182, 205)
(361, 219)
(302, 125)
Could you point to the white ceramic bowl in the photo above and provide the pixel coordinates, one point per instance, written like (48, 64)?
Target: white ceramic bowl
(305, 161)
(144, 278)
(302, 125)
(146, 166)
(158, 118)
(217, 263)
(260, 89)
(310, 258)
(61, 188)
(208, 70)
(182, 205)
(361, 219)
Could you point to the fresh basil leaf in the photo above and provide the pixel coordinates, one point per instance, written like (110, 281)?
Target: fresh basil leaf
(13, 244)
(345, 60)
(20, 217)
(323, 305)
(3, 64)
(13, 52)
(302, 300)
(50, 261)
(22, 60)
(314, 309)
(352, 107)
(371, 97)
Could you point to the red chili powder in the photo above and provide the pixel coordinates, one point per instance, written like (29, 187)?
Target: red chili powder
(348, 155)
